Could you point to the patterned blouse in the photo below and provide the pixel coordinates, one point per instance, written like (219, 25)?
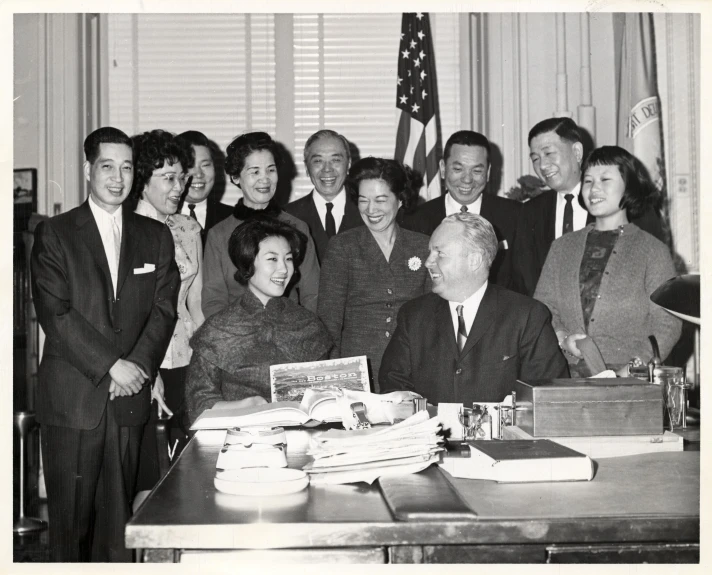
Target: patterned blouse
(599, 246)
(186, 236)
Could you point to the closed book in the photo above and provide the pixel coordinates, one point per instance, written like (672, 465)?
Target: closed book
(520, 461)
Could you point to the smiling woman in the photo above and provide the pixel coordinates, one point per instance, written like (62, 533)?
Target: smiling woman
(161, 163)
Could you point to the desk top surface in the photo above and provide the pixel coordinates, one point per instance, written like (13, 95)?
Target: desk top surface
(637, 498)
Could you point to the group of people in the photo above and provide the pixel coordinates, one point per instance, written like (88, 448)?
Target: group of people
(154, 290)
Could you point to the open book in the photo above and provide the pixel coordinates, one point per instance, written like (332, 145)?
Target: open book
(316, 407)
(520, 461)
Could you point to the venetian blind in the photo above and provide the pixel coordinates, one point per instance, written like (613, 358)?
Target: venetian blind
(208, 72)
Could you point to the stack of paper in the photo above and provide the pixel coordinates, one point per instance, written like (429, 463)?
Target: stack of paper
(342, 456)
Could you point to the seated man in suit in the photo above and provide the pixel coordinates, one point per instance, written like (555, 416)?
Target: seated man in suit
(198, 203)
(469, 340)
(327, 210)
(556, 151)
(465, 168)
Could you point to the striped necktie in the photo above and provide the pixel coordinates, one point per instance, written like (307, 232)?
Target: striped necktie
(461, 329)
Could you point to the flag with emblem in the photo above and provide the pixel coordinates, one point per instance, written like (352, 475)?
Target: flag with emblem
(418, 142)
(639, 127)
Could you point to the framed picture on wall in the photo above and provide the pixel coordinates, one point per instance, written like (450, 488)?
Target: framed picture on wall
(25, 186)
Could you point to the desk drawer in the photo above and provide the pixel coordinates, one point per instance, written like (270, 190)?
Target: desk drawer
(629, 553)
(335, 555)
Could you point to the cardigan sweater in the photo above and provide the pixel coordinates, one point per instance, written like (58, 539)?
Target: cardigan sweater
(234, 349)
(623, 316)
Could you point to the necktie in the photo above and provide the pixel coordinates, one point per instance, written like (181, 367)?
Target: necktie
(568, 215)
(464, 210)
(116, 233)
(191, 207)
(461, 329)
(330, 222)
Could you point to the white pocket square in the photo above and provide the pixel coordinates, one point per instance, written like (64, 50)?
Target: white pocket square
(146, 269)
(503, 245)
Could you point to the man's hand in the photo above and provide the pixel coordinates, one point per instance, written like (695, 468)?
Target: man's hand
(128, 376)
(157, 394)
(569, 344)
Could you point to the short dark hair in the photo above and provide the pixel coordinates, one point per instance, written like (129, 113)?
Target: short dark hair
(244, 244)
(565, 128)
(403, 182)
(105, 135)
(242, 146)
(195, 138)
(326, 134)
(466, 138)
(152, 150)
(640, 191)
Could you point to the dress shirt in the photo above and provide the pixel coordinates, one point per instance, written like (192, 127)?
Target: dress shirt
(201, 211)
(105, 223)
(337, 211)
(469, 309)
(580, 214)
(454, 207)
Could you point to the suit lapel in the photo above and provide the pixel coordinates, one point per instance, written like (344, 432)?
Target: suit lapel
(128, 247)
(89, 232)
(444, 328)
(486, 315)
(352, 217)
(551, 217)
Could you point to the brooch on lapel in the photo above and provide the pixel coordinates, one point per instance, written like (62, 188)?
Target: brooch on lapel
(414, 263)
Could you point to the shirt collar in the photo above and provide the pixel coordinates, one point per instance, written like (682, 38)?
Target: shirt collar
(474, 299)
(339, 201)
(575, 191)
(100, 214)
(452, 206)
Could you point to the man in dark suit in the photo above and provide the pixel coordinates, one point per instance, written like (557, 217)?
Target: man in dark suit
(556, 151)
(327, 209)
(198, 203)
(465, 168)
(469, 340)
(105, 287)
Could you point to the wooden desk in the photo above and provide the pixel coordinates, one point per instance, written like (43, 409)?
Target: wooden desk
(638, 508)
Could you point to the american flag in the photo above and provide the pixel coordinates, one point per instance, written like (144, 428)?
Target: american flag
(418, 141)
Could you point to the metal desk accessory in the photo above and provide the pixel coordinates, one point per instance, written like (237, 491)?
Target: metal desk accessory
(484, 421)
(359, 413)
(672, 381)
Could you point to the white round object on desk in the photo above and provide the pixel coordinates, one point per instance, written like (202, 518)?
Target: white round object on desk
(258, 481)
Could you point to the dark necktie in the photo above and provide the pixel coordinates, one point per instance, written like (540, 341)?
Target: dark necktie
(568, 215)
(330, 222)
(191, 207)
(464, 209)
(461, 329)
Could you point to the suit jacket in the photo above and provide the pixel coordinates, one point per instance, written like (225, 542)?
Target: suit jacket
(220, 288)
(87, 330)
(360, 292)
(623, 316)
(500, 212)
(536, 231)
(305, 209)
(511, 338)
(216, 212)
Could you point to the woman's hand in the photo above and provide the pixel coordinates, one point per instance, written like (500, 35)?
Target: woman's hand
(568, 344)
(157, 394)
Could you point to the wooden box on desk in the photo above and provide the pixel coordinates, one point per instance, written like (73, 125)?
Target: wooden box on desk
(581, 407)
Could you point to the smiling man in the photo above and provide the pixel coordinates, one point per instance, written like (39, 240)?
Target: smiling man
(198, 202)
(469, 340)
(465, 167)
(105, 286)
(327, 209)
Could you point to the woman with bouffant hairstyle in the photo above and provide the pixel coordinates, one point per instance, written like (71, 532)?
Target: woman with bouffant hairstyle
(370, 271)
(233, 351)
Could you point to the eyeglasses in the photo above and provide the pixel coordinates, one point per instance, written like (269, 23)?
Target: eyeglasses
(171, 178)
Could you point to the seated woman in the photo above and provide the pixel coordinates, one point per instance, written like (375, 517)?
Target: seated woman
(234, 349)
(252, 162)
(597, 281)
(370, 271)
(160, 161)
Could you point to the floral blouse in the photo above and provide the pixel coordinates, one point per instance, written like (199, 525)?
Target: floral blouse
(186, 236)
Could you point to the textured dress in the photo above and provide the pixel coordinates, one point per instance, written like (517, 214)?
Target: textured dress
(186, 236)
(234, 349)
(360, 292)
